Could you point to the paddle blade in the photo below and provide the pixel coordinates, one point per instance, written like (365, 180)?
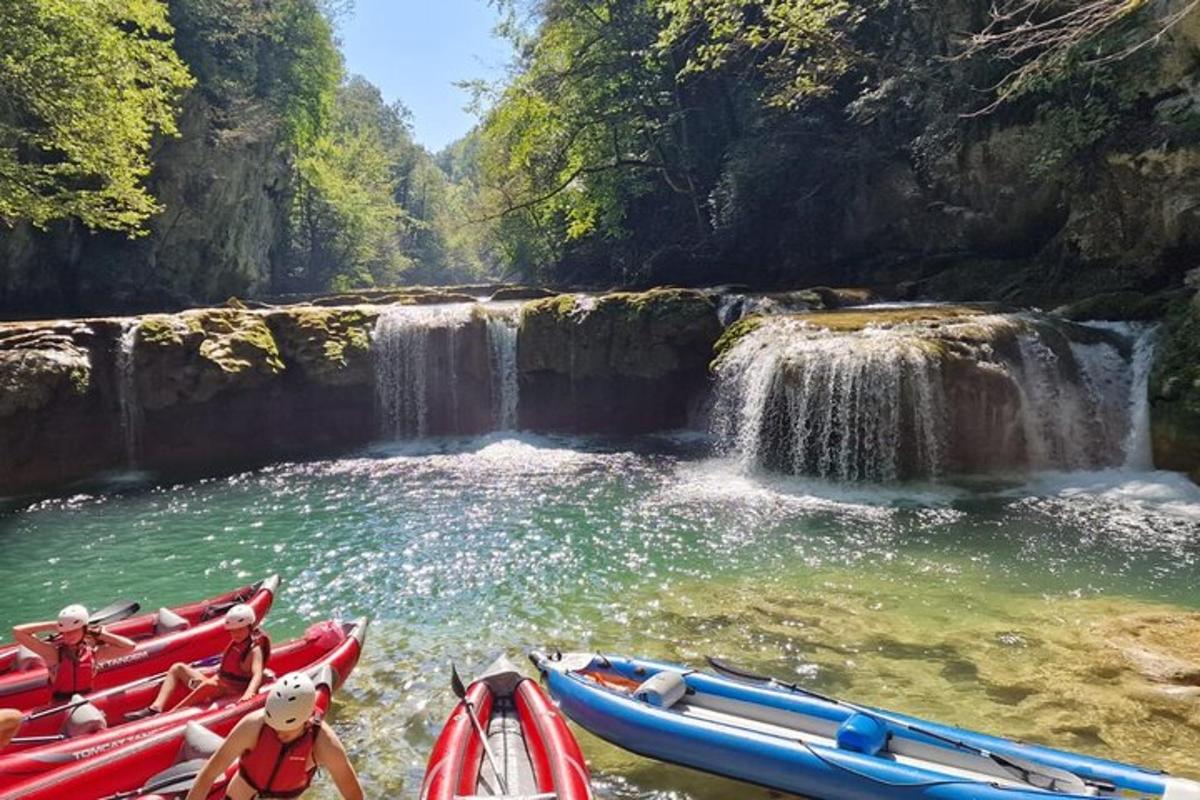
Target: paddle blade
(122, 609)
(460, 691)
(175, 780)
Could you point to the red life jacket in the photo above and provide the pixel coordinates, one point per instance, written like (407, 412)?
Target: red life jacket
(235, 663)
(75, 670)
(275, 769)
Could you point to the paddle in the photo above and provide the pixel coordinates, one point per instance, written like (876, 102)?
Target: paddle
(460, 691)
(1051, 778)
(122, 609)
(38, 739)
(173, 780)
(49, 712)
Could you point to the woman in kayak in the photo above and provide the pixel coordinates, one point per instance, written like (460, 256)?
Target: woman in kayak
(241, 673)
(75, 653)
(280, 749)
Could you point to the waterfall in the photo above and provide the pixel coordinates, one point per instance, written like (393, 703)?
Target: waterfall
(445, 370)
(502, 345)
(798, 399)
(921, 398)
(127, 394)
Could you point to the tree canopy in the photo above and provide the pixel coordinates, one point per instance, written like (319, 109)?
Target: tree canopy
(84, 88)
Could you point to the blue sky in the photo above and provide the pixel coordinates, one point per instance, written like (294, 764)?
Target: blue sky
(415, 50)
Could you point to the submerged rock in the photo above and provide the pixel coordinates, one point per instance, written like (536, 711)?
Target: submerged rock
(623, 362)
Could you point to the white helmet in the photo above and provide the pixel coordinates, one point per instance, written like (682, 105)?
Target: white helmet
(291, 702)
(240, 616)
(72, 618)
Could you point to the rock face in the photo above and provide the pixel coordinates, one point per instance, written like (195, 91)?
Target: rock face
(210, 390)
(619, 363)
(1175, 392)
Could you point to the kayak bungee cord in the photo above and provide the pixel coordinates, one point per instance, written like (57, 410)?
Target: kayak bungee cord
(1026, 771)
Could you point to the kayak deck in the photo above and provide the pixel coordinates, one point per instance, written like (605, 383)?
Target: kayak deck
(786, 738)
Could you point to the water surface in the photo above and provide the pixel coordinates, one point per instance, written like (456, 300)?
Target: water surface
(1002, 605)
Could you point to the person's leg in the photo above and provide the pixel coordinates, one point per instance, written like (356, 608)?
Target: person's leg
(10, 723)
(178, 674)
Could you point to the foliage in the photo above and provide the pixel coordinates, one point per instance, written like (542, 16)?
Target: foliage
(84, 87)
(800, 48)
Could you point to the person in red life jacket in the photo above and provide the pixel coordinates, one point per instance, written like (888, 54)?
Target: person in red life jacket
(10, 723)
(75, 652)
(243, 665)
(280, 748)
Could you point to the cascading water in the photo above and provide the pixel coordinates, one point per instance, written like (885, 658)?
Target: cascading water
(918, 399)
(444, 370)
(502, 345)
(127, 395)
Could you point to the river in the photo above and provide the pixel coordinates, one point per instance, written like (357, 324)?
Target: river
(992, 604)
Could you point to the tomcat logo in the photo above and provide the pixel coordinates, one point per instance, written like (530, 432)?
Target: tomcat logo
(80, 755)
(123, 661)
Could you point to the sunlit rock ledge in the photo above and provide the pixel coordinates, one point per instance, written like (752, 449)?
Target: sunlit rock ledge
(207, 390)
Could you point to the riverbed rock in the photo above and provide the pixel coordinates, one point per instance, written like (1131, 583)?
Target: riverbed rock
(1175, 391)
(622, 362)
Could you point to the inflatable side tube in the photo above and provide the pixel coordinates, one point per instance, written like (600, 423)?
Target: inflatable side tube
(552, 746)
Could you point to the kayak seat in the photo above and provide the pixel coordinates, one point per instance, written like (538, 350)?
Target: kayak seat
(663, 689)
(862, 733)
(84, 720)
(27, 660)
(167, 621)
(199, 743)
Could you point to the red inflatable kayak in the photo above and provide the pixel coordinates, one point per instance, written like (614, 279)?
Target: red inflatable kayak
(126, 762)
(188, 633)
(534, 750)
(108, 709)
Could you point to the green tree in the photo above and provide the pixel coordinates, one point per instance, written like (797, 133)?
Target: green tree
(84, 88)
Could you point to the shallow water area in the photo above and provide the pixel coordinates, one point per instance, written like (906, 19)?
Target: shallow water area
(1019, 606)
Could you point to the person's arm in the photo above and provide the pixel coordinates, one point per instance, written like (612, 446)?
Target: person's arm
(256, 674)
(239, 741)
(331, 756)
(111, 642)
(26, 635)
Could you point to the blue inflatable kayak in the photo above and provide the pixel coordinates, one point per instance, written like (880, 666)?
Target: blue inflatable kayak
(787, 738)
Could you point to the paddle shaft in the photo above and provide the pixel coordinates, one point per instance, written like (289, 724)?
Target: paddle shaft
(487, 749)
(49, 712)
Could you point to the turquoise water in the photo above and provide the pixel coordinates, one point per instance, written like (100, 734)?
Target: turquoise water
(987, 604)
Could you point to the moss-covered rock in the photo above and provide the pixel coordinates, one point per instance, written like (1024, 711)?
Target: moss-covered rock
(39, 366)
(193, 356)
(521, 293)
(1175, 391)
(734, 334)
(856, 320)
(1121, 306)
(329, 346)
(624, 362)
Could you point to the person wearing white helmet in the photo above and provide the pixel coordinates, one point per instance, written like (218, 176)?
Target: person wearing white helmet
(280, 748)
(243, 665)
(73, 653)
